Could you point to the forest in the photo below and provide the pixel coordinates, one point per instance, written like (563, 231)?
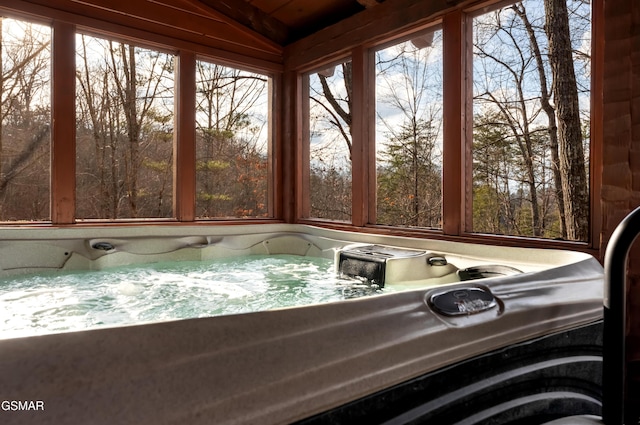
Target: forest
(527, 165)
(124, 131)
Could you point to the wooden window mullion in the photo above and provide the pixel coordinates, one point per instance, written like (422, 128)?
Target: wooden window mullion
(184, 138)
(453, 176)
(63, 123)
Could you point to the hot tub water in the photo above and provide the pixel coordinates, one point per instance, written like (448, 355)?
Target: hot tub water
(52, 302)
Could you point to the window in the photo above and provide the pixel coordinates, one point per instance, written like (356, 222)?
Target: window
(409, 132)
(25, 120)
(531, 120)
(521, 169)
(329, 138)
(124, 136)
(232, 141)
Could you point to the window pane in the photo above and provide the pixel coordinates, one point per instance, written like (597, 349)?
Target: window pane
(531, 121)
(330, 142)
(25, 117)
(409, 132)
(232, 142)
(124, 137)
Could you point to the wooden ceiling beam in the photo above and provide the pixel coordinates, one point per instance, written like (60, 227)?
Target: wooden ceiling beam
(368, 3)
(250, 17)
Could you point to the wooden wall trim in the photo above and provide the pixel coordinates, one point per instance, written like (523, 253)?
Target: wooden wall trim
(454, 124)
(283, 150)
(616, 190)
(302, 142)
(63, 134)
(174, 18)
(184, 138)
(597, 130)
(360, 134)
(275, 158)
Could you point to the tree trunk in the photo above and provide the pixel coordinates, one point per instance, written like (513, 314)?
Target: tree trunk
(547, 107)
(570, 149)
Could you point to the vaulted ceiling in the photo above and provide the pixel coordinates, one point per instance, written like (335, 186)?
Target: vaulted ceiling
(285, 21)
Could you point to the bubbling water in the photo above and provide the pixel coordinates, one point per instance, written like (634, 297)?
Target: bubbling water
(54, 302)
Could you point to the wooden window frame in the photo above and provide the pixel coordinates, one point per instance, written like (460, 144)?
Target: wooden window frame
(358, 42)
(65, 26)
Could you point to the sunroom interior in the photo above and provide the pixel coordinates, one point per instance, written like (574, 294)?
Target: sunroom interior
(398, 117)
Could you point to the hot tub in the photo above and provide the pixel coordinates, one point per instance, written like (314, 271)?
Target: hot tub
(469, 334)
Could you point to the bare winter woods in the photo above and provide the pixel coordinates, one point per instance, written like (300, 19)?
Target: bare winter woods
(124, 131)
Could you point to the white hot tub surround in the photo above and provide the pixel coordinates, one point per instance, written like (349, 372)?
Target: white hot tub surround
(286, 365)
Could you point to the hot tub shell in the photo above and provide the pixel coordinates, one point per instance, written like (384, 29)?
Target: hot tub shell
(275, 366)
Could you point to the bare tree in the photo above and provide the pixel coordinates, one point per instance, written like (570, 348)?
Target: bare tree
(494, 206)
(409, 99)
(25, 59)
(339, 109)
(231, 142)
(331, 94)
(549, 110)
(125, 97)
(505, 90)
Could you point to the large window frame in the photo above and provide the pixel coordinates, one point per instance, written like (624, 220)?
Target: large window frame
(63, 147)
(457, 127)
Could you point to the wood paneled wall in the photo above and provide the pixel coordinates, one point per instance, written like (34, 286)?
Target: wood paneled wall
(621, 141)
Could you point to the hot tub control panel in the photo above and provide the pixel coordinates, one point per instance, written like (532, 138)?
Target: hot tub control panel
(382, 265)
(462, 301)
